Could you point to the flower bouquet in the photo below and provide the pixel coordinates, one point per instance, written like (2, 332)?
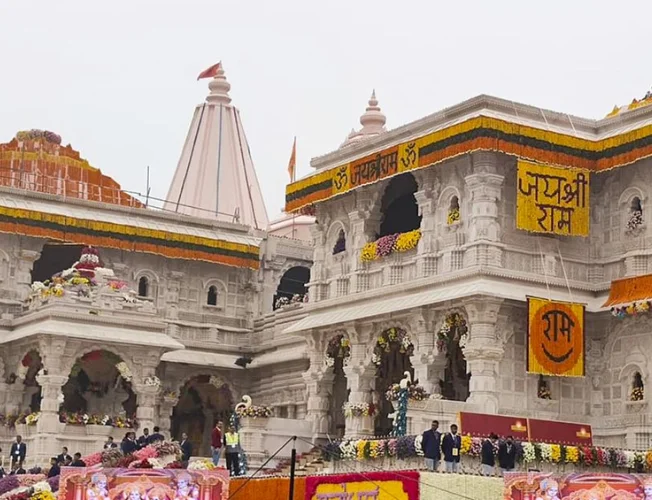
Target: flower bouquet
(415, 392)
(201, 464)
(254, 411)
(359, 409)
(637, 394)
(338, 347)
(32, 418)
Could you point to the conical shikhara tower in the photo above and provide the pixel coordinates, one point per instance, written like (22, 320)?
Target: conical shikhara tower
(215, 177)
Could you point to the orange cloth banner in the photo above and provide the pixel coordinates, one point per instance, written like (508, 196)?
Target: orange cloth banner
(555, 338)
(272, 488)
(628, 290)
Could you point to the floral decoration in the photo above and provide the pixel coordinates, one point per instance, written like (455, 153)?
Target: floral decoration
(454, 321)
(633, 309)
(635, 220)
(390, 338)
(415, 392)
(152, 381)
(297, 298)
(637, 394)
(385, 245)
(254, 411)
(124, 371)
(543, 391)
(32, 418)
(201, 464)
(359, 409)
(453, 216)
(79, 418)
(339, 347)
(35, 135)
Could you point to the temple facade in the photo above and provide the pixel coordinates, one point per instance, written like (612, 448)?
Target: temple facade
(412, 250)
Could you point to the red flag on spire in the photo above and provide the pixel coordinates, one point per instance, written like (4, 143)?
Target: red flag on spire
(210, 72)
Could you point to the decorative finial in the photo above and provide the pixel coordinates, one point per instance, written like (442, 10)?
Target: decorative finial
(219, 88)
(373, 120)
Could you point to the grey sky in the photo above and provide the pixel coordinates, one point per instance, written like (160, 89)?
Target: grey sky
(117, 79)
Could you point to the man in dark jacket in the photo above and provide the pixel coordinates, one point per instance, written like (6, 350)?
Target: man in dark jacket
(128, 445)
(431, 445)
(77, 461)
(186, 447)
(18, 451)
(63, 456)
(451, 445)
(156, 437)
(55, 470)
(507, 455)
(488, 458)
(144, 439)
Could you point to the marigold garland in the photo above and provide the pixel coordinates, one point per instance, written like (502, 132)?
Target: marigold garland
(385, 245)
(479, 134)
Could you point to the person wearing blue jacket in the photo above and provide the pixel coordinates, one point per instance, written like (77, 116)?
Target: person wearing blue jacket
(451, 445)
(431, 445)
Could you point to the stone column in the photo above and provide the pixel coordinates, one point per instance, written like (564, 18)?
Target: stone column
(165, 409)
(48, 425)
(14, 398)
(146, 399)
(317, 269)
(319, 385)
(483, 351)
(427, 201)
(485, 190)
(361, 382)
(26, 259)
(359, 219)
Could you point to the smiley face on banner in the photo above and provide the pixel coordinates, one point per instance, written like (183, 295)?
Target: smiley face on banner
(556, 338)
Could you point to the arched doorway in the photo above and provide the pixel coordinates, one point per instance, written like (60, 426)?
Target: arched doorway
(338, 353)
(204, 400)
(451, 339)
(55, 257)
(398, 206)
(292, 286)
(99, 384)
(392, 359)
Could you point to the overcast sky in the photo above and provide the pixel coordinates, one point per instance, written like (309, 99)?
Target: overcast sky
(117, 79)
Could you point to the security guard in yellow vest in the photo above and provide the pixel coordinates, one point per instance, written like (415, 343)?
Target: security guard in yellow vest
(232, 446)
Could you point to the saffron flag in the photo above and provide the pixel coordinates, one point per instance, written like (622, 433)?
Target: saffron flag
(292, 164)
(210, 72)
(555, 338)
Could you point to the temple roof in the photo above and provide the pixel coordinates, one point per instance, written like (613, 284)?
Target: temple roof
(372, 121)
(215, 177)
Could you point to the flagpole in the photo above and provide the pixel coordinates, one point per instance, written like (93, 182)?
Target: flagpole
(294, 178)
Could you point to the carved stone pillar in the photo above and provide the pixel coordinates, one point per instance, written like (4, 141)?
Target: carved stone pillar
(427, 363)
(317, 271)
(14, 398)
(483, 352)
(48, 424)
(427, 201)
(361, 382)
(361, 221)
(146, 399)
(319, 385)
(165, 409)
(485, 190)
(26, 259)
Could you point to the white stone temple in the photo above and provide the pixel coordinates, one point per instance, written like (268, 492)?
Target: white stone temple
(172, 315)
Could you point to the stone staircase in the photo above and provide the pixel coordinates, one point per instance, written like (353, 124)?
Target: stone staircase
(307, 463)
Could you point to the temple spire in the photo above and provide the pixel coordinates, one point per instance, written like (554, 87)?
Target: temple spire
(215, 176)
(372, 121)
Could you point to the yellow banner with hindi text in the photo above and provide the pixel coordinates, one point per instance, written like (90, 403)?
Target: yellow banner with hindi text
(552, 200)
(555, 338)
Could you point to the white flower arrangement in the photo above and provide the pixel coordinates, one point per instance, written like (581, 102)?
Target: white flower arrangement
(358, 410)
(529, 454)
(124, 371)
(201, 464)
(41, 486)
(216, 381)
(21, 373)
(61, 398)
(152, 381)
(418, 445)
(349, 449)
(37, 286)
(546, 452)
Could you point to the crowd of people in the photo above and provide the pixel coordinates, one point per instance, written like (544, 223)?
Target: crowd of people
(435, 446)
(228, 441)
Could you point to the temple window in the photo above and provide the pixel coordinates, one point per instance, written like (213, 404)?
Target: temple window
(143, 287)
(399, 208)
(453, 211)
(54, 259)
(635, 218)
(638, 388)
(543, 389)
(292, 287)
(340, 244)
(211, 298)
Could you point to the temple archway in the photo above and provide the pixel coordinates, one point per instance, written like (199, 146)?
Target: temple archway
(26, 372)
(99, 385)
(451, 339)
(203, 401)
(392, 359)
(338, 353)
(292, 286)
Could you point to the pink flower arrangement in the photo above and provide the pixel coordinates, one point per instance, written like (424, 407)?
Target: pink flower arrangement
(93, 459)
(392, 447)
(147, 452)
(385, 244)
(603, 456)
(30, 479)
